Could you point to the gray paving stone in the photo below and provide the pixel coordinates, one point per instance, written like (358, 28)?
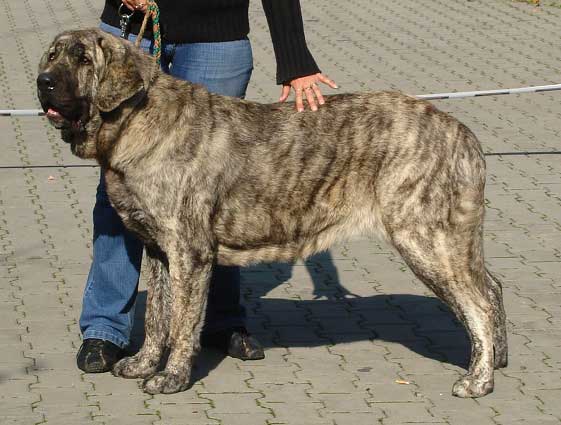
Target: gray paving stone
(296, 412)
(191, 419)
(406, 412)
(355, 418)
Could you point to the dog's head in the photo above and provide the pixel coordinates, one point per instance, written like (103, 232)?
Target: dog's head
(83, 74)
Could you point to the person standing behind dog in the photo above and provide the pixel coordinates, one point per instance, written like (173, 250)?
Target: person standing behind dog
(205, 42)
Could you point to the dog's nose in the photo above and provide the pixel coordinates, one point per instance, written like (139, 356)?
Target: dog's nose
(46, 81)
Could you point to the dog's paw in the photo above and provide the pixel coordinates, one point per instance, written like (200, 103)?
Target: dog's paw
(133, 367)
(471, 387)
(165, 383)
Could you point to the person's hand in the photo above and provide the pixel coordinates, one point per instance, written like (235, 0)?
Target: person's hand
(307, 86)
(133, 5)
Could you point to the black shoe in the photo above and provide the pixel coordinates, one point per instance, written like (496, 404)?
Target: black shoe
(98, 355)
(235, 342)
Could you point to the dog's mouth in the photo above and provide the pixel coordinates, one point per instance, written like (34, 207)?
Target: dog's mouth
(63, 120)
(55, 116)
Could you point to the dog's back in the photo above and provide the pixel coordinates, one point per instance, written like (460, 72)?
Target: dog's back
(305, 180)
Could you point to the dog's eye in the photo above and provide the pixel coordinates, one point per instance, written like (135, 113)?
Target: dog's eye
(52, 56)
(86, 60)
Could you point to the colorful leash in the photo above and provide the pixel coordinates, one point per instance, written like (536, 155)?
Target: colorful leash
(153, 11)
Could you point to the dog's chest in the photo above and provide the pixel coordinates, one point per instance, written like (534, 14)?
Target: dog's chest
(133, 209)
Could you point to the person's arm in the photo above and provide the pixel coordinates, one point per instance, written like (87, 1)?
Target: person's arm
(296, 66)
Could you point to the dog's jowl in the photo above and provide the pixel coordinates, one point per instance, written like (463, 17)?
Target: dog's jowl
(203, 178)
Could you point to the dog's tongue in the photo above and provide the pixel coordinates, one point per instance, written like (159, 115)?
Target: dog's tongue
(52, 114)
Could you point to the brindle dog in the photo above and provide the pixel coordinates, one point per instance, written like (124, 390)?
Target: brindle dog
(206, 179)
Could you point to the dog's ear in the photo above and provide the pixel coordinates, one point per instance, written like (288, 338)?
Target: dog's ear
(121, 78)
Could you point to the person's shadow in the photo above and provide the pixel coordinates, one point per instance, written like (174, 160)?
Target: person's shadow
(422, 324)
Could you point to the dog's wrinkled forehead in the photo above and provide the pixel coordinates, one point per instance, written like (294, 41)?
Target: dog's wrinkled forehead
(72, 46)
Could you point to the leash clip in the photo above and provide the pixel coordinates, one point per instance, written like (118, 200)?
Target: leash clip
(124, 20)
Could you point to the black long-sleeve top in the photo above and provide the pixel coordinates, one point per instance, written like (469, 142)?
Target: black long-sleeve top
(199, 21)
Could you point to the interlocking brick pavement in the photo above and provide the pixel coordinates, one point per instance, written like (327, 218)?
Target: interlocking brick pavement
(341, 328)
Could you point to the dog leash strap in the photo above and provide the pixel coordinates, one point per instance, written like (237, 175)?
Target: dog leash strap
(153, 11)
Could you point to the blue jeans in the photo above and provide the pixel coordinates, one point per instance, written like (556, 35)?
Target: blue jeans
(112, 285)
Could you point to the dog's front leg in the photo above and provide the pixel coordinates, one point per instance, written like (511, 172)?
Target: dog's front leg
(190, 268)
(156, 323)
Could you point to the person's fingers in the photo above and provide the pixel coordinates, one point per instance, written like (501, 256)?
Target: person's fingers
(130, 4)
(318, 94)
(308, 87)
(136, 5)
(299, 102)
(285, 92)
(327, 81)
(310, 98)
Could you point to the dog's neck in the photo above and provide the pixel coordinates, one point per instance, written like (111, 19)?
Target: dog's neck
(112, 126)
(111, 123)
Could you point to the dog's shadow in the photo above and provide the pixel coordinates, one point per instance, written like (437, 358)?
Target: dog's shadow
(422, 324)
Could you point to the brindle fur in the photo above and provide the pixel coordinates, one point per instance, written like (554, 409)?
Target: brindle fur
(203, 178)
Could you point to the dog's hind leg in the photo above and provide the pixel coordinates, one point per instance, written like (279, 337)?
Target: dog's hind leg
(190, 268)
(452, 267)
(144, 363)
(500, 339)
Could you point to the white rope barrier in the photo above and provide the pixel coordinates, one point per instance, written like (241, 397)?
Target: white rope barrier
(435, 96)
(459, 95)
(21, 112)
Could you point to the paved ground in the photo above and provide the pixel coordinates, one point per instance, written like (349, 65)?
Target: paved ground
(343, 328)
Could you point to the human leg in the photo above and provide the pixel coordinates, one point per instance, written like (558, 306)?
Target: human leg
(111, 288)
(223, 68)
